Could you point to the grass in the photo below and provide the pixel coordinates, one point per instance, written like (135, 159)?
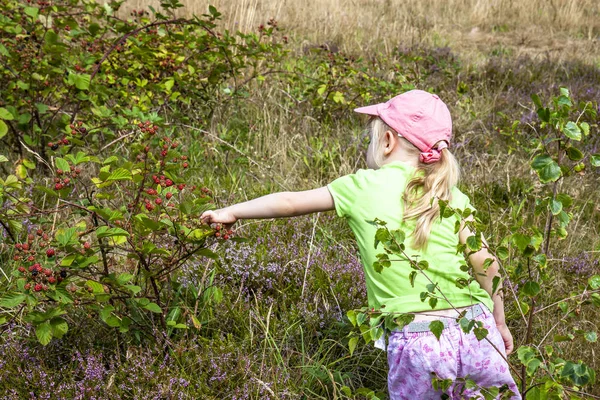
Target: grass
(278, 331)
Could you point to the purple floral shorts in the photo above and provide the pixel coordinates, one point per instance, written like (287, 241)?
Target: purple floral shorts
(415, 358)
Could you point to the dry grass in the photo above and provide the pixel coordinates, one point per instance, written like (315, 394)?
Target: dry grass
(557, 28)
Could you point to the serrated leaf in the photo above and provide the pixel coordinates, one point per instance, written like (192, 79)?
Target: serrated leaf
(12, 300)
(95, 286)
(43, 332)
(120, 174)
(105, 231)
(546, 168)
(61, 163)
(59, 327)
(555, 206)
(436, 327)
(531, 288)
(572, 131)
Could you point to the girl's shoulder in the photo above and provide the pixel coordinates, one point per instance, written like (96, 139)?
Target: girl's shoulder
(460, 200)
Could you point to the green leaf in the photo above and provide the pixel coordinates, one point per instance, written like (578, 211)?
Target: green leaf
(411, 278)
(580, 374)
(594, 160)
(12, 300)
(3, 129)
(591, 337)
(555, 206)
(574, 153)
(572, 131)
(480, 333)
(59, 327)
(5, 114)
(82, 81)
(474, 243)
(133, 288)
(352, 344)
(594, 282)
(32, 11)
(536, 100)
(61, 163)
(105, 231)
(502, 252)
(531, 288)
(43, 332)
(520, 240)
(120, 174)
(546, 168)
(95, 286)
(153, 307)
(124, 278)
(436, 327)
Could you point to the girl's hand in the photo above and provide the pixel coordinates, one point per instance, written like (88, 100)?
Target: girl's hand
(218, 217)
(507, 337)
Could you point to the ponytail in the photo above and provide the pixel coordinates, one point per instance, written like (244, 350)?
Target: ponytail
(432, 182)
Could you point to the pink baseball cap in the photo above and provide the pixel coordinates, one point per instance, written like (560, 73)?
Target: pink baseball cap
(420, 117)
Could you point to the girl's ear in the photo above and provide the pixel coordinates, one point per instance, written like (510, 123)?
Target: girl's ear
(389, 142)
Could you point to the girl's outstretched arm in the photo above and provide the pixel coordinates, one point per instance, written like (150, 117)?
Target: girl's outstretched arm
(276, 205)
(485, 277)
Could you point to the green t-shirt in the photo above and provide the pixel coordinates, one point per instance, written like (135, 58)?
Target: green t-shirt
(370, 194)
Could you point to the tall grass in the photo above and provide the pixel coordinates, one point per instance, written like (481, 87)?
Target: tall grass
(559, 28)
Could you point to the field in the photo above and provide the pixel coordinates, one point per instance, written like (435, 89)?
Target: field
(139, 301)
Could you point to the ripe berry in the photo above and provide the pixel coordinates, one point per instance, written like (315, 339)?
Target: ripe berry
(38, 287)
(168, 183)
(63, 274)
(50, 252)
(54, 146)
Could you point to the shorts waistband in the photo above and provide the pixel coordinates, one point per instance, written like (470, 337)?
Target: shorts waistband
(423, 326)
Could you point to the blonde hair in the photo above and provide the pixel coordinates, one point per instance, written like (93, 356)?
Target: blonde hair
(430, 183)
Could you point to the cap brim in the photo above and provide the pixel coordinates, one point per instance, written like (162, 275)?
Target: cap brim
(369, 110)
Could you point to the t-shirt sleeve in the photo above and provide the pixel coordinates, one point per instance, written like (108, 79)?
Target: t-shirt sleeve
(460, 200)
(345, 190)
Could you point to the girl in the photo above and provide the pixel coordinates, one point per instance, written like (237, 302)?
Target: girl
(410, 167)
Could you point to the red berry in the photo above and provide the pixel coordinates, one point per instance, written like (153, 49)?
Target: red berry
(185, 165)
(181, 186)
(38, 287)
(163, 153)
(40, 232)
(66, 181)
(169, 195)
(25, 246)
(30, 237)
(22, 269)
(158, 201)
(151, 192)
(168, 183)
(31, 258)
(27, 286)
(218, 234)
(52, 280)
(16, 258)
(18, 246)
(59, 172)
(149, 207)
(87, 245)
(226, 237)
(50, 252)
(58, 186)
(47, 272)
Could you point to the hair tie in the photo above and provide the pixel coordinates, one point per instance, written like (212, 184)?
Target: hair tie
(433, 155)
